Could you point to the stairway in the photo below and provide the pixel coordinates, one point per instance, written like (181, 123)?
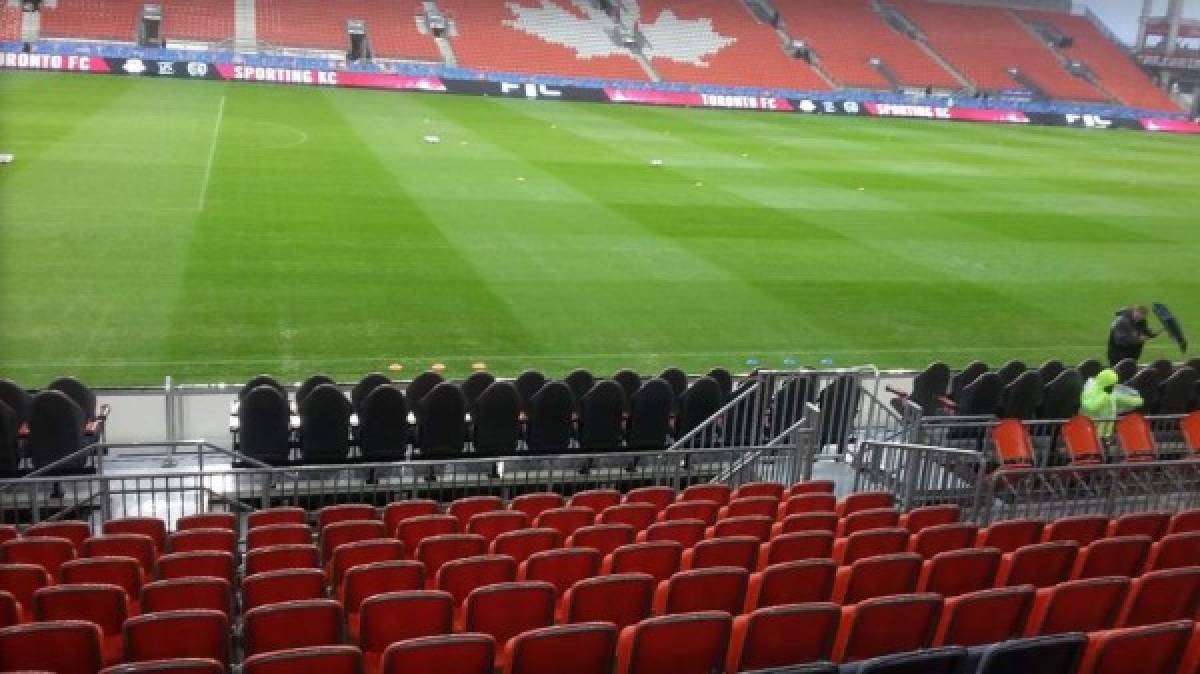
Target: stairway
(443, 43)
(245, 19)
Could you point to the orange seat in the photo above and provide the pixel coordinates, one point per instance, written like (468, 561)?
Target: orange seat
(985, 616)
(348, 531)
(1083, 529)
(366, 581)
(622, 599)
(694, 643)
(756, 526)
(1162, 596)
(809, 487)
(923, 517)
(767, 637)
(866, 500)
(1174, 551)
(1137, 650)
(459, 577)
(791, 583)
(960, 571)
(713, 589)
(412, 530)
(939, 538)
(685, 532)
(589, 648)
(435, 551)
(1190, 427)
(705, 511)
(1013, 446)
(738, 551)
(1039, 565)
(1009, 535)
(1078, 606)
(504, 610)
(807, 503)
(349, 555)
(397, 512)
(795, 547)
(797, 522)
(764, 506)
(1119, 556)
(660, 559)
(755, 489)
(872, 518)
(716, 493)
(878, 576)
(869, 543)
(1152, 524)
(1135, 438)
(886, 625)
(561, 568)
(1185, 521)
(1082, 444)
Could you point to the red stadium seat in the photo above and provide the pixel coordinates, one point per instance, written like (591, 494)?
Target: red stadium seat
(873, 518)
(660, 559)
(196, 564)
(878, 576)
(1078, 606)
(172, 666)
(1082, 444)
(203, 540)
(1152, 524)
(768, 636)
(565, 520)
(268, 517)
(716, 493)
(349, 555)
(749, 506)
(276, 557)
(1162, 596)
(1039, 565)
(960, 571)
(10, 610)
(622, 599)
(278, 534)
(398, 616)
(694, 643)
(1174, 551)
(865, 500)
(435, 551)
(8, 532)
(464, 509)
(758, 489)
(368, 580)
(504, 610)
(588, 647)
(597, 499)
(810, 487)
(395, 513)
(739, 551)
(823, 521)
(715, 589)
(1083, 529)
(492, 524)
(1137, 650)
(603, 538)
(72, 530)
(1009, 535)
(869, 543)
(460, 577)
(21, 581)
(795, 547)
(535, 504)
(136, 546)
(316, 660)
(62, 647)
(918, 519)
(756, 526)
(274, 587)
(705, 511)
(637, 515)
(561, 568)
(938, 538)
(101, 605)
(1186, 521)
(48, 553)
(791, 583)
(294, 624)
(226, 521)
(659, 497)
(1134, 437)
(452, 654)
(1013, 445)
(520, 545)
(346, 512)
(188, 594)
(1120, 556)
(122, 572)
(1191, 659)
(348, 531)
(887, 625)
(985, 617)
(177, 634)
(684, 532)
(807, 503)
(153, 527)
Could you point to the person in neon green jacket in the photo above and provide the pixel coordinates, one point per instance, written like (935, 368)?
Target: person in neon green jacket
(1103, 399)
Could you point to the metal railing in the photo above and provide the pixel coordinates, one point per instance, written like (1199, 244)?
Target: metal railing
(209, 482)
(974, 432)
(920, 475)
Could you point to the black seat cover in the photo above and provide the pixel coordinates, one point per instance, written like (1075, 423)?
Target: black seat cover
(55, 432)
(441, 422)
(550, 410)
(325, 426)
(265, 432)
(383, 428)
(495, 420)
(601, 417)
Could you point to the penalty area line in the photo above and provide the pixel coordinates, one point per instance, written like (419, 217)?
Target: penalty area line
(212, 153)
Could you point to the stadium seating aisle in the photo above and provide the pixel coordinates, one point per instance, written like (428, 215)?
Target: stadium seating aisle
(744, 52)
(984, 42)
(321, 24)
(1115, 69)
(447, 594)
(546, 37)
(847, 35)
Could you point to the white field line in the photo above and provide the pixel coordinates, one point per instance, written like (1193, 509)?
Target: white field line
(212, 153)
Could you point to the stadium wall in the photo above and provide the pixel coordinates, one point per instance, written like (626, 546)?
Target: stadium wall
(883, 105)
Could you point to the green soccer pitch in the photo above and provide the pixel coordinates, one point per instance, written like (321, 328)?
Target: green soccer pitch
(212, 231)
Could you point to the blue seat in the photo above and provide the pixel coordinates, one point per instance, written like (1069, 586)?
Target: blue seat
(1058, 654)
(935, 661)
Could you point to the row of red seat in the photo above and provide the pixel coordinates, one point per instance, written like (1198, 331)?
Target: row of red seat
(1135, 440)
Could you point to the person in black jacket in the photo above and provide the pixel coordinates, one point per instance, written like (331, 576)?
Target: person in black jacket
(1128, 334)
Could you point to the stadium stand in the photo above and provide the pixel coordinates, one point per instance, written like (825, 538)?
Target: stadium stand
(1115, 69)
(983, 43)
(744, 52)
(10, 22)
(205, 21)
(846, 35)
(537, 38)
(321, 24)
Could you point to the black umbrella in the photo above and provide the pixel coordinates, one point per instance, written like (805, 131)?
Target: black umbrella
(1171, 325)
